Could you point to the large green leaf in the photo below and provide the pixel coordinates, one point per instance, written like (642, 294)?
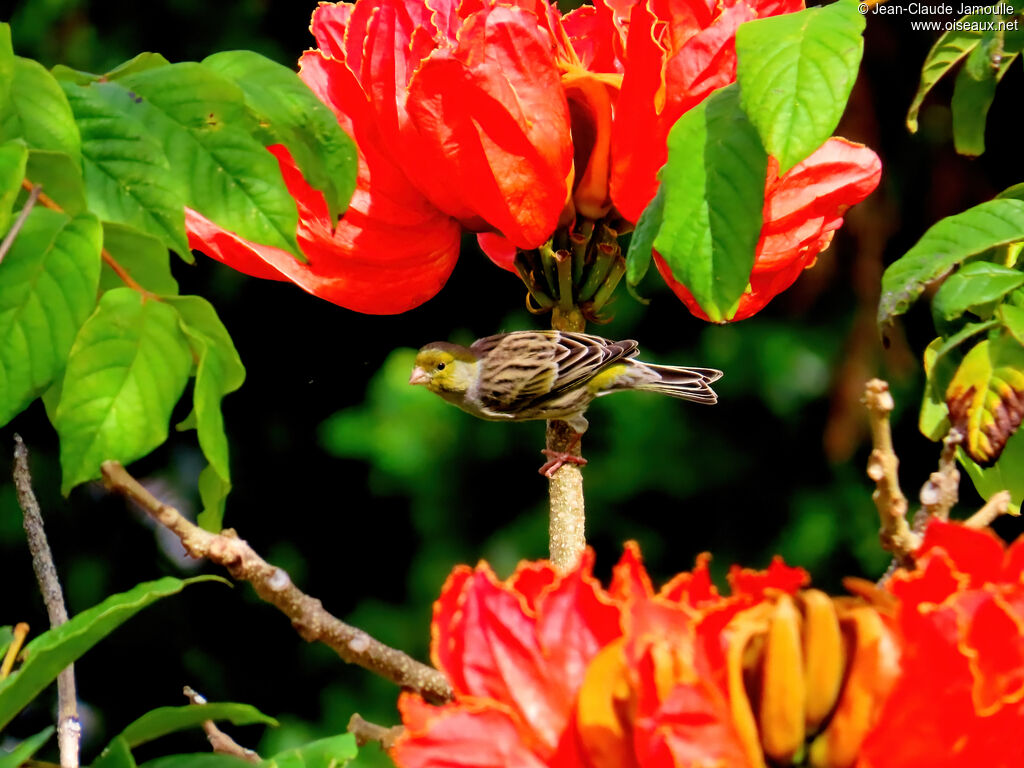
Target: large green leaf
(50, 652)
(38, 112)
(143, 257)
(116, 755)
(24, 751)
(641, 244)
(200, 119)
(6, 62)
(948, 50)
(60, 177)
(201, 760)
(13, 156)
(219, 372)
(795, 73)
(1007, 474)
(164, 720)
(127, 369)
(973, 286)
(47, 290)
(292, 115)
(127, 175)
(713, 186)
(332, 752)
(943, 246)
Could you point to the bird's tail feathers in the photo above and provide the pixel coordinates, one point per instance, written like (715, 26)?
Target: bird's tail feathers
(678, 381)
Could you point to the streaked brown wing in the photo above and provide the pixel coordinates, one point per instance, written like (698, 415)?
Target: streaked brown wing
(522, 367)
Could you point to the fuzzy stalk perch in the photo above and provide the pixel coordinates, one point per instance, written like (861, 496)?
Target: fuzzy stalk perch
(273, 585)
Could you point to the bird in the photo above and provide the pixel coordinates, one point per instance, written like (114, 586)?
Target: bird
(551, 375)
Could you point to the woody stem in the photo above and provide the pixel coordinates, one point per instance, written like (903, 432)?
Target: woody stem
(565, 487)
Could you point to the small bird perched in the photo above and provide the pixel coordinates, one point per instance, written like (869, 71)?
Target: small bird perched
(548, 375)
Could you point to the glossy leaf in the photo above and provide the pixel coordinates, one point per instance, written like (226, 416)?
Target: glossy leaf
(1005, 474)
(795, 72)
(60, 178)
(949, 49)
(13, 156)
(1012, 318)
(641, 244)
(127, 369)
(213, 492)
(200, 120)
(142, 256)
(292, 115)
(332, 752)
(713, 186)
(138, 63)
(127, 175)
(24, 751)
(47, 290)
(50, 652)
(933, 421)
(6, 62)
(116, 755)
(944, 246)
(165, 720)
(986, 396)
(973, 92)
(201, 760)
(219, 372)
(38, 112)
(973, 286)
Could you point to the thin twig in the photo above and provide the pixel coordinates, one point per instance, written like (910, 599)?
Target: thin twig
(566, 524)
(69, 729)
(998, 505)
(17, 641)
(895, 534)
(19, 222)
(220, 742)
(365, 732)
(274, 585)
(941, 491)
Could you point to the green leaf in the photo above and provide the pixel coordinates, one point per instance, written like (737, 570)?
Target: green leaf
(6, 62)
(128, 178)
(641, 244)
(219, 372)
(1006, 474)
(292, 115)
(50, 652)
(38, 112)
(1012, 318)
(6, 632)
(127, 369)
(332, 752)
(795, 73)
(972, 97)
(164, 720)
(60, 177)
(201, 760)
(116, 755)
(201, 121)
(142, 256)
(1015, 192)
(944, 55)
(213, 491)
(713, 185)
(986, 396)
(933, 420)
(47, 290)
(138, 63)
(13, 156)
(24, 751)
(974, 285)
(946, 244)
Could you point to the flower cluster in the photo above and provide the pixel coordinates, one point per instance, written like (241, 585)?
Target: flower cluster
(510, 119)
(554, 670)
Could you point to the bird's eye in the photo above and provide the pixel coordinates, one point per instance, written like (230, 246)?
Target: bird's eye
(440, 366)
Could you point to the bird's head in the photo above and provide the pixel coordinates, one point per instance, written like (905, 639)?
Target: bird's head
(444, 368)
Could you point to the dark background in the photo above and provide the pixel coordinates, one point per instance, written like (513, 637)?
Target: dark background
(369, 491)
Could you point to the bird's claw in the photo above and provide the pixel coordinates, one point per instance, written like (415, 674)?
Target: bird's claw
(558, 458)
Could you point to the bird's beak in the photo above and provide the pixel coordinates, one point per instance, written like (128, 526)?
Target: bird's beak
(419, 376)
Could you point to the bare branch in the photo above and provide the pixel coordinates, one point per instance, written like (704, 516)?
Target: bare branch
(220, 742)
(941, 491)
(883, 466)
(274, 585)
(19, 222)
(998, 505)
(365, 732)
(69, 729)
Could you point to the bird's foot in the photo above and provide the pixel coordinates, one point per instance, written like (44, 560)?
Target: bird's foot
(558, 458)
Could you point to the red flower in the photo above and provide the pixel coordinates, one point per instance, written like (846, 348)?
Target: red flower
(553, 670)
(959, 702)
(505, 118)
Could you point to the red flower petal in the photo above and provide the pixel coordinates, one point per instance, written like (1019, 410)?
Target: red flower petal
(750, 583)
(629, 577)
(979, 554)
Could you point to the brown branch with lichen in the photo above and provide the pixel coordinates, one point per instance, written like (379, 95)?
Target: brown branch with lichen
(69, 729)
(272, 584)
(48, 202)
(883, 466)
(365, 732)
(220, 742)
(566, 534)
(940, 493)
